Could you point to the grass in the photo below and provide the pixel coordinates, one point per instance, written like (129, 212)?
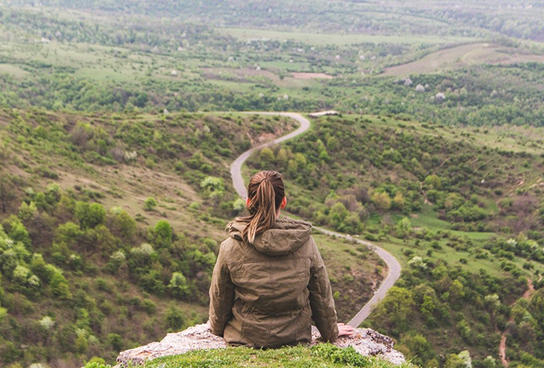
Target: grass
(326, 356)
(461, 56)
(338, 38)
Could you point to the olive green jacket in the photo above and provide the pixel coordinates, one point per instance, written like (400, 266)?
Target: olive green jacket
(266, 294)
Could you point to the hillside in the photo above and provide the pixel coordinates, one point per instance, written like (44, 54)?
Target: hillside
(462, 215)
(108, 219)
(119, 120)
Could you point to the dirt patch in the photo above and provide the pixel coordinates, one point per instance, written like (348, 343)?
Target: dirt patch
(311, 76)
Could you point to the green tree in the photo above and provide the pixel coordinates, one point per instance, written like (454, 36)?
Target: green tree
(403, 227)
(89, 215)
(396, 311)
(163, 234)
(420, 350)
(178, 285)
(174, 319)
(213, 187)
(381, 200)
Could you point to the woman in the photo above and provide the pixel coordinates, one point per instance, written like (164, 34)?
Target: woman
(269, 281)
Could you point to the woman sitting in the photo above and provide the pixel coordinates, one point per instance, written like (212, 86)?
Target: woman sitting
(270, 281)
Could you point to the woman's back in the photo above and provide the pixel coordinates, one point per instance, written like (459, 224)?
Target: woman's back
(267, 292)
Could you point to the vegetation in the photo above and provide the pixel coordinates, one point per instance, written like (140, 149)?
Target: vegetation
(94, 264)
(442, 201)
(114, 190)
(322, 355)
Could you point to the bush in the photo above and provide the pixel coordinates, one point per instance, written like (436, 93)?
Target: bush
(59, 286)
(150, 204)
(178, 285)
(116, 341)
(89, 215)
(163, 234)
(174, 319)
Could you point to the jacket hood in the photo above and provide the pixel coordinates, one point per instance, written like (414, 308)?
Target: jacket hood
(286, 237)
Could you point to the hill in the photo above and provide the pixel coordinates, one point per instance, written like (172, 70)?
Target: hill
(463, 216)
(112, 219)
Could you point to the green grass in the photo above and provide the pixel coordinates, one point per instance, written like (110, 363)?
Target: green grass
(339, 38)
(326, 356)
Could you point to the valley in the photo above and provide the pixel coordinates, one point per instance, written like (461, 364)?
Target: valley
(120, 128)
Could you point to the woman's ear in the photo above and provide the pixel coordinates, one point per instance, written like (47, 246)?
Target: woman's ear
(283, 203)
(247, 202)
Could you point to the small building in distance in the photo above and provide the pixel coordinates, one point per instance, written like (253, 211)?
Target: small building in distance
(323, 113)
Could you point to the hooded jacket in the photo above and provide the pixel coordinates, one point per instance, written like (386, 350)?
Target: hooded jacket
(266, 294)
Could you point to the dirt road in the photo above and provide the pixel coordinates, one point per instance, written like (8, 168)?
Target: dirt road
(393, 265)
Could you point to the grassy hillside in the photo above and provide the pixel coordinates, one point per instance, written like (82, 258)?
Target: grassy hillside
(462, 215)
(113, 196)
(110, 224)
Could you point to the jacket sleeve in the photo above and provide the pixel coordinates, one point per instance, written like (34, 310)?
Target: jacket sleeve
(321, 300)
(221, 294)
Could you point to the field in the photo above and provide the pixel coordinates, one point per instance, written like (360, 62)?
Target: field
(464, 56)
(337, 39)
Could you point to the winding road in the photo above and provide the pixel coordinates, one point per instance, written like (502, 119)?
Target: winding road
(393, 265)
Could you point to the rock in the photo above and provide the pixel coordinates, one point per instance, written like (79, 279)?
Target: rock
(420, 88)
(365, 341)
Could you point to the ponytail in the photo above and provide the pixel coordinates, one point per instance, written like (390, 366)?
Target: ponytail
(265, 193)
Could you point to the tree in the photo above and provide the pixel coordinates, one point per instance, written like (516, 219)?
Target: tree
(398, 201)
(381, 200)
(214, 187)
(403, 227)
(337, 215)
(174, 319)
(178, 285)
(89, 215)
(163, 234)
(266, 156)
(420, 349)
(432, 182)
(396, 310)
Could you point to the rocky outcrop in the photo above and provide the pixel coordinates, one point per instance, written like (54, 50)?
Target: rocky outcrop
(365, 341)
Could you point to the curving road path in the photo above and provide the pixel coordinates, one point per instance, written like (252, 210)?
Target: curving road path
(393, 265)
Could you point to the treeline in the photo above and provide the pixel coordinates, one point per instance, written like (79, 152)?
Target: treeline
(357, 17)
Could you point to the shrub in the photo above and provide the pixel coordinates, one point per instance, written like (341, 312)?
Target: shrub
(27, 211)
(178, 285)
(122, 224)
(89, 215)
(116, 341)
(59, 286)
(213, 187)
(381, 200)
(150, 204)
(163, 234)
(174, 319)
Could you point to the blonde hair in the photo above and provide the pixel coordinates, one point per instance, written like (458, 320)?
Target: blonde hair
(265, 193)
